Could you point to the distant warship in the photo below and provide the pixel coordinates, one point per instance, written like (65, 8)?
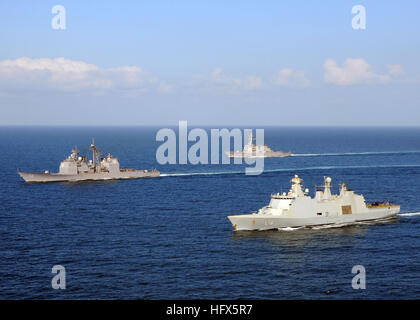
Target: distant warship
(76, 168)
(298, 209)
(253, 151)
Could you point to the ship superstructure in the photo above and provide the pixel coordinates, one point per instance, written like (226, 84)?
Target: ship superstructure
(77, 168)
(296, 209)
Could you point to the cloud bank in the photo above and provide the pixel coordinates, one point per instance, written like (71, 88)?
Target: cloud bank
(219, 81)
(68, 75)
(357, 71)
(65, 75)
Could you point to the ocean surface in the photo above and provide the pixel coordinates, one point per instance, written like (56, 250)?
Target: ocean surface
(169, 237)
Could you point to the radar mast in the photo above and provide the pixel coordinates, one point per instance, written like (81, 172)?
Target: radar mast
(95, 153)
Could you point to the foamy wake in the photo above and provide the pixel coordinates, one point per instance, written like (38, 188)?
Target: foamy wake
(317, 227)
(352, 153)
(290, 228)
(186, 174)
(409, 214)
(338, 225)
(183, 174)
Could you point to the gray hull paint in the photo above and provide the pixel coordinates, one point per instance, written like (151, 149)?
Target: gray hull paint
(264, 222)
(56, 177)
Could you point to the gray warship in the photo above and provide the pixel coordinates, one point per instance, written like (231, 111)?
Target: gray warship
(77, 168)
(256, 151)
(297, 209)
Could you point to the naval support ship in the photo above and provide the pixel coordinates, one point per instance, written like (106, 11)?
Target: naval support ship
(298, 209)
(76, 168)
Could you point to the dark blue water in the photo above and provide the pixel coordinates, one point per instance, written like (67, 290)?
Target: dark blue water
(169, 238)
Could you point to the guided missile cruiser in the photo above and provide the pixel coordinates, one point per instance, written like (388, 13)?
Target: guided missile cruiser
(297, 209)
(77, 168)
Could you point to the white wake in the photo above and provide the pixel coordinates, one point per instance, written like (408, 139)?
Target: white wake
(409, 214)
(352, 153)
(181, 174)
(290, 228)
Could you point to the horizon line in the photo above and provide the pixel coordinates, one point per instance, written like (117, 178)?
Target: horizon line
(202, 125)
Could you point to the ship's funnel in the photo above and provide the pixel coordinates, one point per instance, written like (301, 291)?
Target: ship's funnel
(318, 195)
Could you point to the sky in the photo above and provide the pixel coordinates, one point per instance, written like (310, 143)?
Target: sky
(213, 63)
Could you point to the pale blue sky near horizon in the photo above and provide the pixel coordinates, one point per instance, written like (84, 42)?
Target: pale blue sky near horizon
(210, 62)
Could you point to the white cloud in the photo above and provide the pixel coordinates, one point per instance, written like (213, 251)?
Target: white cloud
(219, 79)
(69, 75)
(357, 71)
(65, 75)
(218, 82)
(290, 77)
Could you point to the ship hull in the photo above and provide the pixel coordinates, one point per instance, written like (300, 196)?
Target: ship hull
(266, 222)
(57, 177)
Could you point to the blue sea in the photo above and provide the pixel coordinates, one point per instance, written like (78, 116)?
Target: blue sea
(169, 237)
